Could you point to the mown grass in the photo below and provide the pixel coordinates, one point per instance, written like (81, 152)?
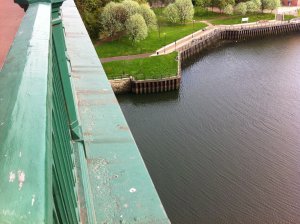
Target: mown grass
(168, 34)
(253, 17)
(204, 14)
(223, 19)
(145, 68)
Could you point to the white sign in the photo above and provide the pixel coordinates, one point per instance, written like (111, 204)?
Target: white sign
(245, 19)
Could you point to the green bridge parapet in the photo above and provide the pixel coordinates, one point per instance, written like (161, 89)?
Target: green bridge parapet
(66, 152)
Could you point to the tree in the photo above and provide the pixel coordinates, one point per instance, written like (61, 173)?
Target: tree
(149, 16)
(274, 4)
(223, 3)
(92, 23)
(131, 7)
(241, 8)
(171, 13)
(228, 9)
(257, 3)
(185, 10)
(90, 11)
(203, 3)
(252, 6)
(270, 4)
(136, 28)
(109, 19)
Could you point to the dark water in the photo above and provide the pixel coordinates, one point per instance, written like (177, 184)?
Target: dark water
(226, 147)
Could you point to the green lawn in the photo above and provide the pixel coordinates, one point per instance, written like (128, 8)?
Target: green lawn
(203, 14)
(253, 17)
(146, 68)
(171, 32)
(223, 19)
(168, 34)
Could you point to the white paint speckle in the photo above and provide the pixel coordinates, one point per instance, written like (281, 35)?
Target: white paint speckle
(21, 177)
(12, 177)
(2, 123)
(32, 200)
(20, 154)
(125, 205)
(132, 190)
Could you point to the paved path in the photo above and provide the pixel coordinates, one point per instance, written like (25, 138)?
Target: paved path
(184, 41)
(11, 16)
(145, 55)
(127, 57)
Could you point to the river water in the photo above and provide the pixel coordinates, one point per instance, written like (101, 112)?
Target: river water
(225, 148)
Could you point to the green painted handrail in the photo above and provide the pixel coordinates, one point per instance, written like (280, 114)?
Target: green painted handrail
(25, 127)
(38, 124)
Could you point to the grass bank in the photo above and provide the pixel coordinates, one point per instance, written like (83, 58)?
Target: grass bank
(168, 34)
(223, 19)
(146, 68)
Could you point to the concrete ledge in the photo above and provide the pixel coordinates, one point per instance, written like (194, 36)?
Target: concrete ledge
(121, 188)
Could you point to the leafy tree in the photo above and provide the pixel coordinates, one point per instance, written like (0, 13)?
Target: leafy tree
(241, 8)
(270, 4)
(257, 3)
(92, 23)
(252, 6)
(223, 3)
(109, 21)
(171, 13)
(185, 10)
(90, 11)
(203, 3)
(228, 9)
(131, 7)
(136, 28)
(149, 16)
(274, 4)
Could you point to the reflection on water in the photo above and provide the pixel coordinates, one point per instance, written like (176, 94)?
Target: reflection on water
(226, 147)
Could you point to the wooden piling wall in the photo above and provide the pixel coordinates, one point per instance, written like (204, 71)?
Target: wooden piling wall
(235, 34)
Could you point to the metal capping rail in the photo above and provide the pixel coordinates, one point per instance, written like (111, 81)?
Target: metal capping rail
(38, 124)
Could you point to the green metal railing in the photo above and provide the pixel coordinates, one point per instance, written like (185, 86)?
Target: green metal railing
(41, 125)
(65, 126)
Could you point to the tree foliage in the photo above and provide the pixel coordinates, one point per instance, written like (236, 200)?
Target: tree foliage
(171, 13)
(110, 21)
(115, 16)
(252, 6)
(228, 9)
(132, 7)
(223, 3)
(241, 8)
(257, 3)
(185, 10)
(203, 3)
(270, 4)
(149, 16)
(136, 28)
(90, 11)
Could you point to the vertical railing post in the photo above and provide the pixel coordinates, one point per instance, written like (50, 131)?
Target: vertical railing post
(60, 47)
